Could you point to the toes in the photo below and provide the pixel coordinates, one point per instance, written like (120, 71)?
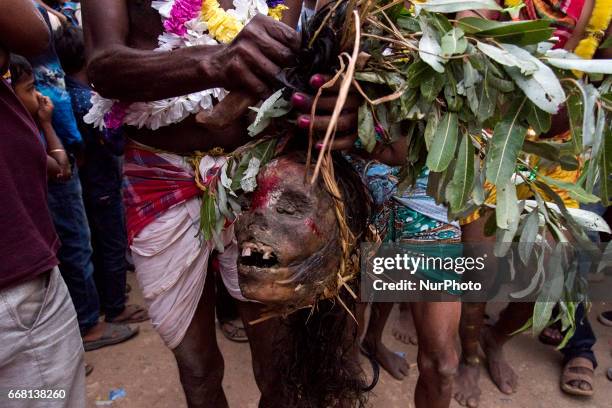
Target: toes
(508, 387)
(472, 402)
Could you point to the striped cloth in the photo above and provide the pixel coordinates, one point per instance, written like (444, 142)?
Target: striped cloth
(153, 182)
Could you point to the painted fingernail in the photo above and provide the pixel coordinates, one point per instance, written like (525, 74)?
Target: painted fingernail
(319, 146)
(317, 81)
(298, 100)
(303, 122)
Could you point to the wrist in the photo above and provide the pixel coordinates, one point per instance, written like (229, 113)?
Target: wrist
(46, 125)
(211, 67)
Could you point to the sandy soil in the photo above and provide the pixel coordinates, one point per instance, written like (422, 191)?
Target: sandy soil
(147, 371)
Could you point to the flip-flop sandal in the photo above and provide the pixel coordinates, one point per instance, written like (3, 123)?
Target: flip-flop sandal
(140, 312)
(605, 318)
(233, 333)
(569, 376)
(113, 334)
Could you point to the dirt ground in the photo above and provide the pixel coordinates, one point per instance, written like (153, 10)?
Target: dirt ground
(147, 372)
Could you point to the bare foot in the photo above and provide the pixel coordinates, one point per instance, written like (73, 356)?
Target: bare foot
(467, 391)
(401, 326)
(394, 364)
(96, 332)
(501, 373)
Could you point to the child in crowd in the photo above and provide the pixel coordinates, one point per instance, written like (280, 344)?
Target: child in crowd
(101, 178)
(41, 109)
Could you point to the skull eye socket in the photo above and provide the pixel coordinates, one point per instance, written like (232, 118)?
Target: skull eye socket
(286, 209)
(292, 203)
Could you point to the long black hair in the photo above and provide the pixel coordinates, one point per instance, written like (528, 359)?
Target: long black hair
(319, 346)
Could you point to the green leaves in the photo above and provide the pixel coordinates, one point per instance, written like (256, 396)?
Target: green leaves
(505, 145)
(487, 99)
(606, 168)
(575, 191)
(431, 87)
(459, 189)
(591, 66)
(453, 42)
(574, 114)
(429, 48)
(263, 152)
(551, 151)
(453, 6)
(538, 119)
(444, 143)
(417, 73)
(542, 87)
(365, 130)
(607, 43)
(207, 215)
(504, 57)
(273, 107)
(506, 209)
(510, 32)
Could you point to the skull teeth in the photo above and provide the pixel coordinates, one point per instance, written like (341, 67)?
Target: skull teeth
(267, 255)
(246, 251)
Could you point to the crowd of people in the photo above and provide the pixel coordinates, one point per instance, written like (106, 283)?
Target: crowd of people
(82, 204)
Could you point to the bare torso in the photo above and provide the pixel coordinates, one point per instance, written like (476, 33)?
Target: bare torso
(187, 136)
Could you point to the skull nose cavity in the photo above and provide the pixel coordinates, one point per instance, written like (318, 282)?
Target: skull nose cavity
(258, 254)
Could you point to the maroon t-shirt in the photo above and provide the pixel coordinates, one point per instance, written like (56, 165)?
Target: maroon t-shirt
(28, 241)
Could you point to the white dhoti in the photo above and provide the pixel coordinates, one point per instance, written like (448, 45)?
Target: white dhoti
(171, 259)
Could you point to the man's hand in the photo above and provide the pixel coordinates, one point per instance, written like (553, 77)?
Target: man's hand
(252, 61)
(45, 109)
(347, 122)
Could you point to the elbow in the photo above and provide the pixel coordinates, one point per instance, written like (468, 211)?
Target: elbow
(102, 72)
(34, 44)
(41, 41)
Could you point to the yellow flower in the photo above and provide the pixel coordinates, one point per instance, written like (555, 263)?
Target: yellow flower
(512, 3)
(598, 23)
(221, 26)
(277, 12)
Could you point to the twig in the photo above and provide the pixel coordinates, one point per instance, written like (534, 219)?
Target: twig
(342, 95)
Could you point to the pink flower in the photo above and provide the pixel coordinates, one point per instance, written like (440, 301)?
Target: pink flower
(182, 12)
(113, 119)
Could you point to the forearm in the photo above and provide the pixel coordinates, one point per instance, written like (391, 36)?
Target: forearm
(53, 142)
(129, 74)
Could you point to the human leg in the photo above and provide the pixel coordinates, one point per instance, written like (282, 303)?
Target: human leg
(577, 378)
(198, 357)
(493, 339)
(437, 325)
(41, 346)
(374, 346)
(401, 327)
(467, 391)
(109, 241)
(68, 212)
